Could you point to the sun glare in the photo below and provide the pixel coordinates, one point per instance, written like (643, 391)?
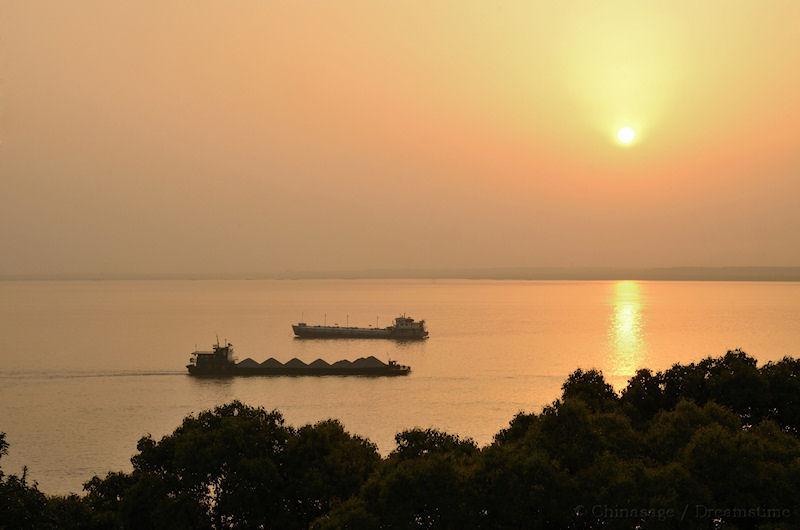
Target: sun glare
(626, 135)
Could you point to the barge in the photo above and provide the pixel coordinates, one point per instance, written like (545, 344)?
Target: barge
(220, 362)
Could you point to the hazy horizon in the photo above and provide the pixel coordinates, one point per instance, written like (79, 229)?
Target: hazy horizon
(779, 274)
(200, 138)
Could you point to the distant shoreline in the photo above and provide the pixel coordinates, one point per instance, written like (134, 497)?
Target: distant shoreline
(762, 274)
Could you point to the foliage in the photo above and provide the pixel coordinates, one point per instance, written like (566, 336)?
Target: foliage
(712, 444)
(235, 467)
(22, 505)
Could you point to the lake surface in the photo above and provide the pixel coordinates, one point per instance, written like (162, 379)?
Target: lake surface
(86, 368)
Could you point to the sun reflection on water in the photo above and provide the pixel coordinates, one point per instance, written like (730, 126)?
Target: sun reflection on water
(625, 332)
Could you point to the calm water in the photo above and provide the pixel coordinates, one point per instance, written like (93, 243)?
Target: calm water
(89, 367)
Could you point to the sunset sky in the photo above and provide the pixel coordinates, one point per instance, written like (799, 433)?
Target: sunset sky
(256, 136)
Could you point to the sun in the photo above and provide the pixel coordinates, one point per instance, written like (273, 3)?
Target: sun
(626, 135)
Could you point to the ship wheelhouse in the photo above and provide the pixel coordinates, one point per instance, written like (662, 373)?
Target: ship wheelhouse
(407, 327)
(220, 359)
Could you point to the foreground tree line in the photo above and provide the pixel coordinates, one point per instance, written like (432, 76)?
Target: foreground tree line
(706, 445)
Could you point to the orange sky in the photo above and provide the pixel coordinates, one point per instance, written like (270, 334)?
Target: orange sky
(255, 136)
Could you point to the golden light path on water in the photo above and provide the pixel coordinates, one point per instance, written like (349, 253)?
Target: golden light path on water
(626, 333)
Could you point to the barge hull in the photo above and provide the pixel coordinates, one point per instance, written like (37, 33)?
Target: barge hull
(274, 372)
(324, 332)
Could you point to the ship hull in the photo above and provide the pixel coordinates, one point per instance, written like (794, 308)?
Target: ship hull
(336, 332)
(296, 371)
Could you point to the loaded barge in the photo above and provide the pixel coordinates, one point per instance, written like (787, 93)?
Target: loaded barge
(220, 362)
(404, 328)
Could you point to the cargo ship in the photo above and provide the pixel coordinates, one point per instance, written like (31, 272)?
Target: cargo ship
(220, 362)
(404, 328)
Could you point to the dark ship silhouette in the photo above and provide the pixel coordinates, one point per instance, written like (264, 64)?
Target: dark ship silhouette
(220, 362)
(404, 328)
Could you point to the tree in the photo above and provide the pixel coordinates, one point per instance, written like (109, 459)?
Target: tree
(22, 505)
(425, 483)
(522, 486)
(235, 467)
(591, 388)
(326, 465)
(783, 393)
(644, 395)
(351, 514)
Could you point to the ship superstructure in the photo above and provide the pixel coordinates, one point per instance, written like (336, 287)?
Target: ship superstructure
(219, 361)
